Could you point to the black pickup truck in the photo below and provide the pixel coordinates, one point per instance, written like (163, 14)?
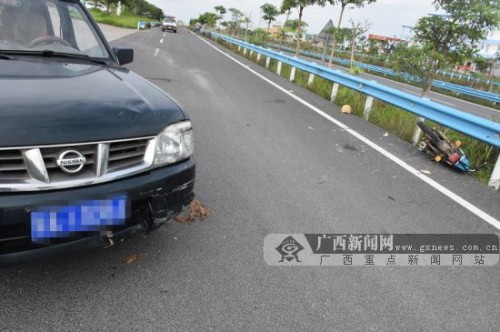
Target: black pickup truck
(90, 152)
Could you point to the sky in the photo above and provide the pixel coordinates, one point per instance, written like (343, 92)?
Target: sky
(385, 17)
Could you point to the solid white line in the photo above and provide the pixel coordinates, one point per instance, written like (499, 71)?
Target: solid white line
(445, 191)
(161, 41)
(157, 51)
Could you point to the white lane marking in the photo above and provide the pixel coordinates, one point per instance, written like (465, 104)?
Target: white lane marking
(157, 51)
(445, 191)
(161, 41)
(164, 34)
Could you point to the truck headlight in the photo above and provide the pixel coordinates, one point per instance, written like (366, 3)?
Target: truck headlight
(174, 144)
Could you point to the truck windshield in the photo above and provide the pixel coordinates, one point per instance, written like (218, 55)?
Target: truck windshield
(60, 26)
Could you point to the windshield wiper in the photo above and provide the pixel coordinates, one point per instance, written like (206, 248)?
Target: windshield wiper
(50, 54)
(6, 57)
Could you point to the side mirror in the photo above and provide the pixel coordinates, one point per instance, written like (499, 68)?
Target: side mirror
(124, 55)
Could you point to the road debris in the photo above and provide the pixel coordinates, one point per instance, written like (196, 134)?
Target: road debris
(346, 109)
(132, 258)
(424, 171)
(195, 211)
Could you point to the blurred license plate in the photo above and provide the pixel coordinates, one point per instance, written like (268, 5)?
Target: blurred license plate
(79, 216)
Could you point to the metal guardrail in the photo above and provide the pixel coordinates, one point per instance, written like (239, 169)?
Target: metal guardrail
(456, 88)
(466, 77)
(479, 128)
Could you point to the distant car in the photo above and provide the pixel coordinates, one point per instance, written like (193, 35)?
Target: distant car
(169, 23)
(95, 5)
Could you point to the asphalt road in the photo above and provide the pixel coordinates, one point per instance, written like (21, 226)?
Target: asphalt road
(459, 104)
(267, 163)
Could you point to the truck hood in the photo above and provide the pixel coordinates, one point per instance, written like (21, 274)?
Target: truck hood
(50, 102)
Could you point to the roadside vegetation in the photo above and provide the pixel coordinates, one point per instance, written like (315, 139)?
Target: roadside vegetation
(132, 11)
(126, 20)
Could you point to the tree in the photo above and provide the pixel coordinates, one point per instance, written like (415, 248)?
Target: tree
(451, 38)
(357, 30)
(293, 24)
(270, 12)
(210, 19)
(343, 5)
(236, 16)
(301, 5)
(143, 8)
(221, 10)
(109, 3)
(247, 20)
(286, 7)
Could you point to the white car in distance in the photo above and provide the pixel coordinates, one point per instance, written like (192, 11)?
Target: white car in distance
(95, 5)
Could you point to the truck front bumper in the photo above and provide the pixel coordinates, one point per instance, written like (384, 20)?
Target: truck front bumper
(152, 198)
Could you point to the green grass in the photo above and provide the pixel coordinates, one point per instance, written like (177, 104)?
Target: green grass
(355, 99)
(322, 87)
(124, 21)
(285, 71)
(393, 119)
(273, 65)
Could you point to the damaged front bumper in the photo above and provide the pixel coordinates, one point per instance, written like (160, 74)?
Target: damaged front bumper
(152, 198)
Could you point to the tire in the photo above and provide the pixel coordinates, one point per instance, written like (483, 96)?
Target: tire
(429, 132)
(422, 146)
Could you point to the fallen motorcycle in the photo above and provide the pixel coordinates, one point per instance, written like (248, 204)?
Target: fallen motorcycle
(435, 143)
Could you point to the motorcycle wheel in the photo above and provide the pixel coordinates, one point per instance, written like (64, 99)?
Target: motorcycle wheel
(429, 132)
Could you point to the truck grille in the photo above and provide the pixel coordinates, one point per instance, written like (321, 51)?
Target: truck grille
(63, 166)
(12, 166)
(125, 154)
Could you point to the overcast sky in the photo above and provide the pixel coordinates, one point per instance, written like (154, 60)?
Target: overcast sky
(386, 17)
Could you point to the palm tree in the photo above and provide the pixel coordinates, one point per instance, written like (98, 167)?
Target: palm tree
(221, 10)
(270, 13)
(286, 7)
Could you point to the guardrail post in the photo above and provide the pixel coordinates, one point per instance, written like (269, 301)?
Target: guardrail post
(278, 69)
(239, 48)
(368, 107)
(268, 62)
(495, 176)
(335, 89)
(417, 132)
(251, 52)
(310, 80)
(258, 57)
(292, 74)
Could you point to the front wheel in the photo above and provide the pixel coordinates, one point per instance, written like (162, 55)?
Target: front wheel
(429, 132)
(422, 146)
